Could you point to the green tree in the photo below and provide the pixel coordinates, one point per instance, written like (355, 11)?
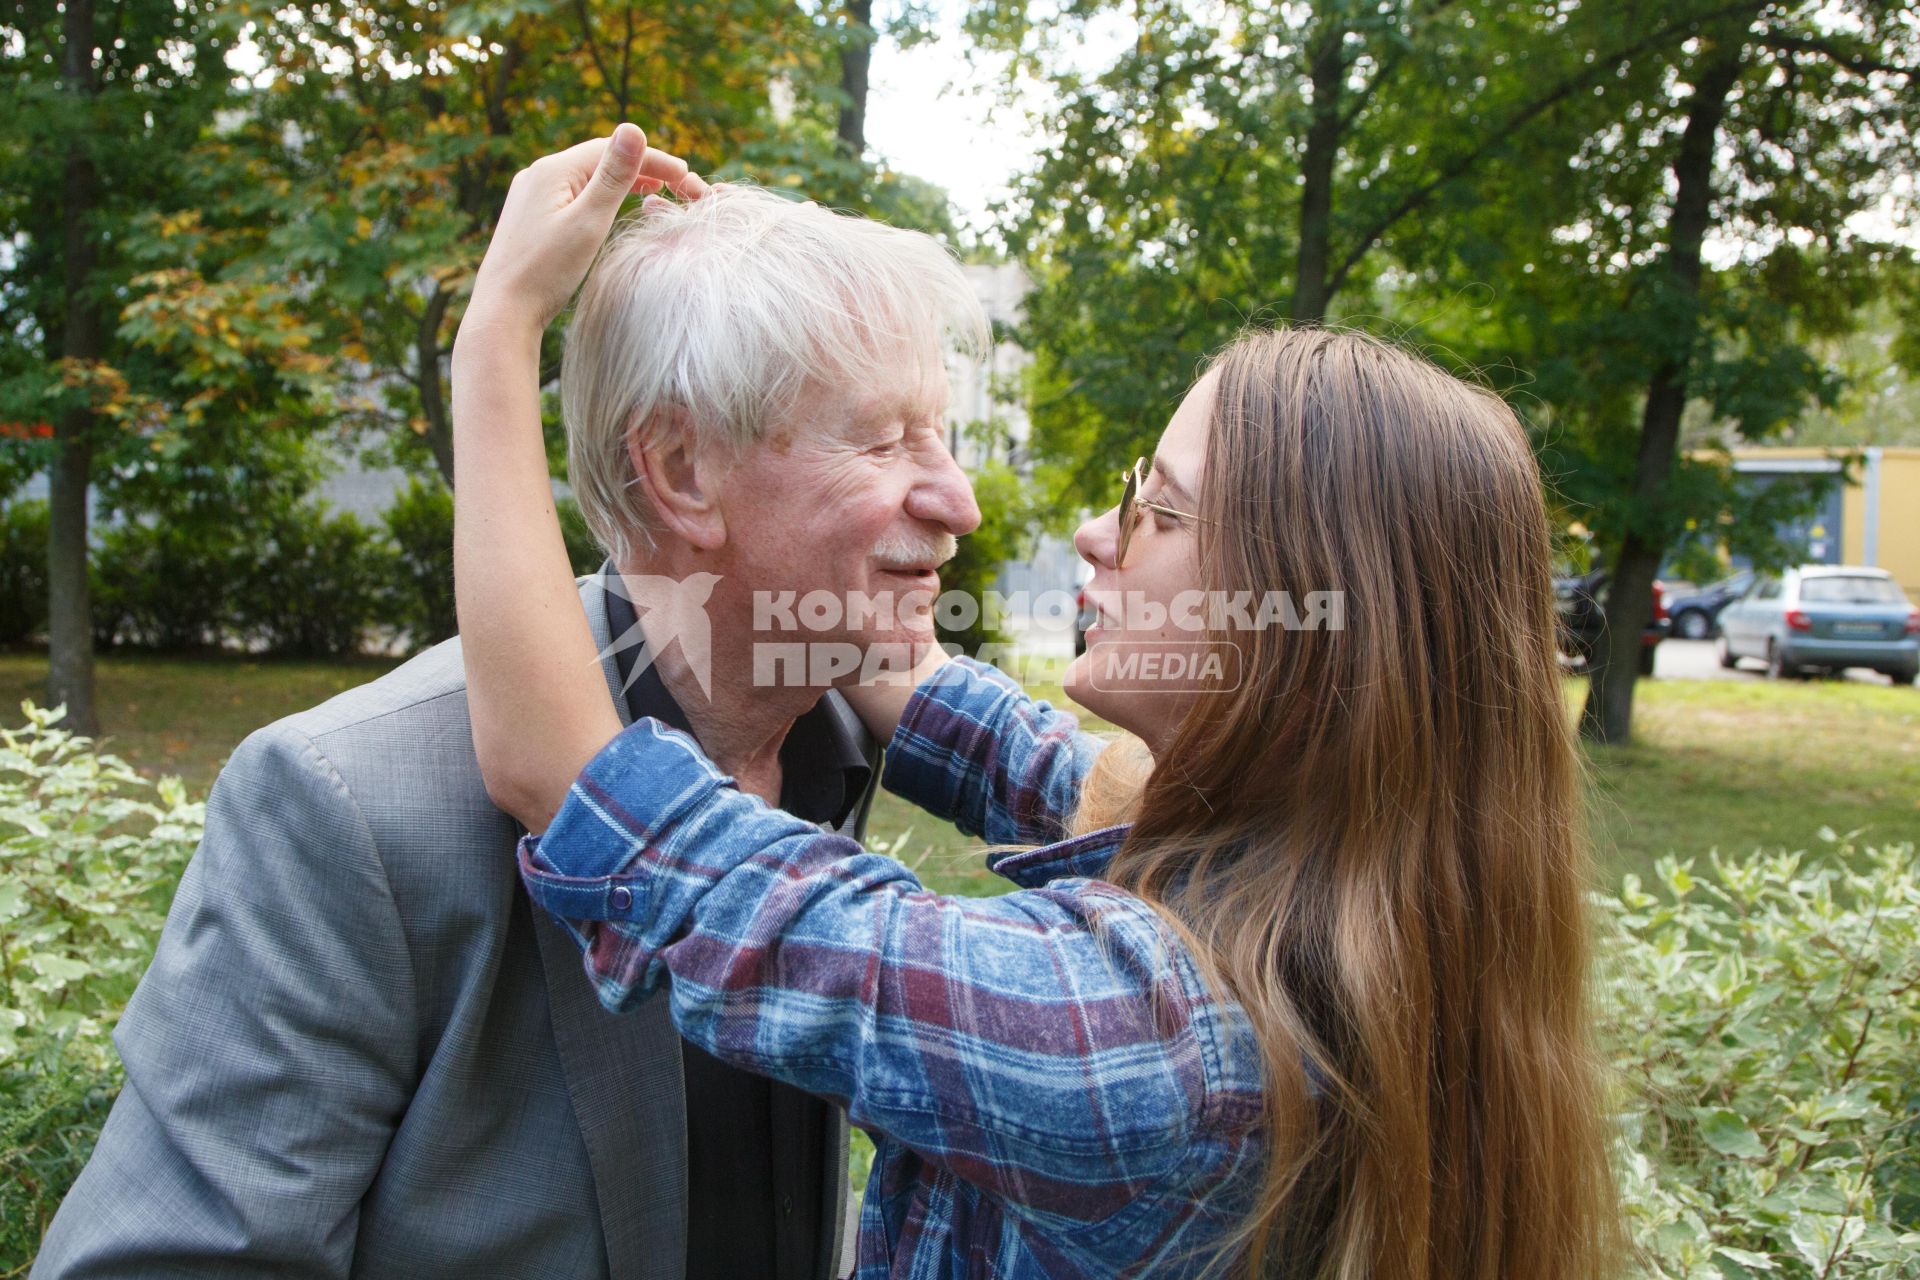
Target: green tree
(375, 151)
(102, 105)
(1243, 160)
(1756, 144)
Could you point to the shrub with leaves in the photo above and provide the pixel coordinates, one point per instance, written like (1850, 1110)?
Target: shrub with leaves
(89, 855)
(23, 570)
(1767, 1023)
(419, 591)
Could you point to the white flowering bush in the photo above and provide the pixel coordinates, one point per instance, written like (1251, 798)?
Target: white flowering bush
(1765, 1011)
(90, 852)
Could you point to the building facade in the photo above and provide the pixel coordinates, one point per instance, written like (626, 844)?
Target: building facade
(1874, 519)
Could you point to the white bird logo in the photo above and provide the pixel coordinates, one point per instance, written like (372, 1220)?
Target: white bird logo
(665, 610)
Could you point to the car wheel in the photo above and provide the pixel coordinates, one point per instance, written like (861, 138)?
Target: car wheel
(1692, 624)
(1778, 668)
(1905, 675)
(1727, 659)
(1646, 659)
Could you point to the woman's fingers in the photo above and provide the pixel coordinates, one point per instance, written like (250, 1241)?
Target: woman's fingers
(665, 169)
(621, 164)
(611, 162)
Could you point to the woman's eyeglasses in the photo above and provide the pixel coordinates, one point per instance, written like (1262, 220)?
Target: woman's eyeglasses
(1132, 504)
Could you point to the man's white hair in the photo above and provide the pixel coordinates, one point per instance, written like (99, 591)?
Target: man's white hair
(726, 309)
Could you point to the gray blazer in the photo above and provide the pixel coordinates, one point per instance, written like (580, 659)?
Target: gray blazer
(359, 1052)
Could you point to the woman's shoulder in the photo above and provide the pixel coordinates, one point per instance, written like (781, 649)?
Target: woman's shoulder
(1192, 1010)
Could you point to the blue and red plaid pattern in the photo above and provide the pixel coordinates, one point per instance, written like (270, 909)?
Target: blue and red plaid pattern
(1052, 1089)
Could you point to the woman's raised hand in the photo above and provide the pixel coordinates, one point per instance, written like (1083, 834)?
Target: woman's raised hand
(558, 212)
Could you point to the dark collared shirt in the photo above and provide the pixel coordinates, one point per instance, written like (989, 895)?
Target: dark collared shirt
(755, 1147)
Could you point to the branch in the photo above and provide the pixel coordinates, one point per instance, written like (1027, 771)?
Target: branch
(497, 123)
(593, 46)
(1384, 70)
(1381, 74)
(1855, 63)
(427, 369)
(1498, 137)
(626, 63)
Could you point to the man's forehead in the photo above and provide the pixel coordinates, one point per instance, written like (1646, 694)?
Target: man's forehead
(914, 395)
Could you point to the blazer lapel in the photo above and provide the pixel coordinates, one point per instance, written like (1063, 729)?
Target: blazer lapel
(623, 1075)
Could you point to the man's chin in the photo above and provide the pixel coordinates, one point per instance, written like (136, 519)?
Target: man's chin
(894, 651)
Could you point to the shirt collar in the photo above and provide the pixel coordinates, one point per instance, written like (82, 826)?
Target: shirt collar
(826, 763)
(1084, 855)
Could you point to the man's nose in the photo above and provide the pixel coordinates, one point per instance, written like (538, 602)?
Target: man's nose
(1098, 540)
(943, 495)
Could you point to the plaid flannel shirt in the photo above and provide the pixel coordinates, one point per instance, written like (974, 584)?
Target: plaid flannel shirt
(1051, 1088)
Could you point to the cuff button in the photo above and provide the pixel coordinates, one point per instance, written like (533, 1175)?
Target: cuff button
(622, 898)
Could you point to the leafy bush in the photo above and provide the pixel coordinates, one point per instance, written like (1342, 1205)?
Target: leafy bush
(1768, 1024)
(89, 855)
(1005, 519)
(291, 576)
(317, 585)
(583, 552)
(167, 584)
(23, 570)
(419, 592)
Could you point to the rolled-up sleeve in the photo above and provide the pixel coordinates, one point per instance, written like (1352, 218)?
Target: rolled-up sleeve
(972, 747)
(1041, 1043)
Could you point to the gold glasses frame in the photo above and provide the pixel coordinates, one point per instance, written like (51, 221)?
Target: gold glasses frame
(1132, 481)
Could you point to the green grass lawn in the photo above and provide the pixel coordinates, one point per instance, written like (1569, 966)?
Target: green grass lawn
(1735, 764)
(1754, 763)
(185, 715)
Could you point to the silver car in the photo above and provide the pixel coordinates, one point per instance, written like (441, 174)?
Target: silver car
(1824, 616)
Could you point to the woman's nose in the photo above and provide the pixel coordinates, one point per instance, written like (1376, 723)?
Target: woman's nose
(1098, 539)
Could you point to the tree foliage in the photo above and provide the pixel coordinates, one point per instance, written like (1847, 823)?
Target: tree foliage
(1627, 216)
(1697, 256)
(1249, 162)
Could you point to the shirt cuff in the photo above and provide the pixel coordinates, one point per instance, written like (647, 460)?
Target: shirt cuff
(630, 799)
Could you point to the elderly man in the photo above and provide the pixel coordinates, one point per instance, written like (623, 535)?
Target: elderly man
(358, 1052)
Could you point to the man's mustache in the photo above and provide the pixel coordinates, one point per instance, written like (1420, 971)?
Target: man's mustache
(907, 551)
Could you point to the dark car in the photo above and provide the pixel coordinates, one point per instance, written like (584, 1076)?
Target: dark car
(1579, 599)
(1696, 615)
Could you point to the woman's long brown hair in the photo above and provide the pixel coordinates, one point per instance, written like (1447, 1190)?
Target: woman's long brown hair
(1373, 843)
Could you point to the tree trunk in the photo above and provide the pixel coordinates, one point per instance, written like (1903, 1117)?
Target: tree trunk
(433, 400)
(1327, 71)
(856, 57)
(1608, 714)
(69, 604)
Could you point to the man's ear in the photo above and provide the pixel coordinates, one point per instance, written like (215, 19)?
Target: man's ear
(680, 477)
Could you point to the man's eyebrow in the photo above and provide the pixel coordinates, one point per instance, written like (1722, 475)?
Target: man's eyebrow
(1167, 478)
(886, 412)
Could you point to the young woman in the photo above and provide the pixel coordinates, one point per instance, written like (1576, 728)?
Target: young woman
(1316, 1009)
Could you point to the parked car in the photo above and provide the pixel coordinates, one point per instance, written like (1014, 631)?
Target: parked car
(1827, 617)
(1696, 614)
(1578, 598)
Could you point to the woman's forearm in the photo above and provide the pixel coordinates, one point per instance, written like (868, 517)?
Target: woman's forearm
(535, 691)
(880, 702)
